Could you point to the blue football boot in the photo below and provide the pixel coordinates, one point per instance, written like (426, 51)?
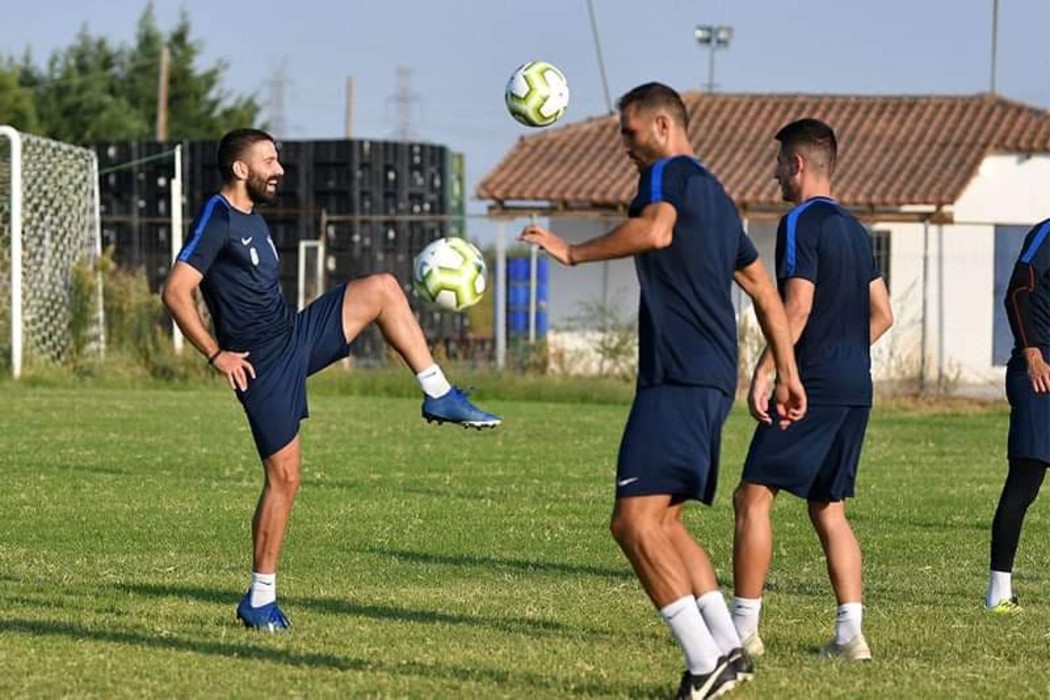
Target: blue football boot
(455, 407)
(265, 617)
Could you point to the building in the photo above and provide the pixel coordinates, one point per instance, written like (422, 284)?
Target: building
(947, 185)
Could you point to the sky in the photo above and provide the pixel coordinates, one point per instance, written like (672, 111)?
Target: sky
(460, 53)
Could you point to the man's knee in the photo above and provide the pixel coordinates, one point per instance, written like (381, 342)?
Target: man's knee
(827, 516)
(752, 500)
(283, 474)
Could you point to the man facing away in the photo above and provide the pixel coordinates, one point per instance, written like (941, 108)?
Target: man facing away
(266, 351)
(688, 243)
(837, 306)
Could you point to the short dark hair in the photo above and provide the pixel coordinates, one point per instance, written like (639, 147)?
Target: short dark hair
(813, 135)
(656, 95)
(232, 148)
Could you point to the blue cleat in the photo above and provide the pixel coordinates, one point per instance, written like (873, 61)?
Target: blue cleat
(266, 617)
(455, 407)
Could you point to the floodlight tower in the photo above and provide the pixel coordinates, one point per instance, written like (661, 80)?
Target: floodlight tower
(713, 37)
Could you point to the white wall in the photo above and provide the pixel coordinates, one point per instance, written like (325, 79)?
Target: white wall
(1008, 189)
(612, 285)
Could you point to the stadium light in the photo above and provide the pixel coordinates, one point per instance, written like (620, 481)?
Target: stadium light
(713, 37)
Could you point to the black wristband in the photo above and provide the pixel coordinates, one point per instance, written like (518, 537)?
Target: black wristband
(211, 360)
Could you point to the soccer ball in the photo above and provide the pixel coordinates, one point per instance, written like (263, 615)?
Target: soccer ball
(450, 273)
(537, 94)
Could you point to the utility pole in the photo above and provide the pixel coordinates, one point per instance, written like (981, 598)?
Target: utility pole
(995, 38)
(278, 81)
(348, 113)
(162, 94)
(404, 99)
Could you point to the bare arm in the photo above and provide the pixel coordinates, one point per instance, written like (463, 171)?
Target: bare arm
(881, 311)
(790, 396)
(178, 298)
(652, 230)
(798, 303)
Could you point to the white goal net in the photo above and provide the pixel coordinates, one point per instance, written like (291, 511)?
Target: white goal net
(49, 230)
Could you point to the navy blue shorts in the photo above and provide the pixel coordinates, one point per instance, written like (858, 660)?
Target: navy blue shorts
(671, 443)
(275, 400)
(1029, 436)
(815, 459)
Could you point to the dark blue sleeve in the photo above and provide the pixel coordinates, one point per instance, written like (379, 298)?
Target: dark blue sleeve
(1032, 264)
(209, 235)
(801, 245)
(660, 182)
(745, 251)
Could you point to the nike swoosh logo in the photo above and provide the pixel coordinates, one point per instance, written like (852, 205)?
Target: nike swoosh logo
(246, 241)
(626, 482)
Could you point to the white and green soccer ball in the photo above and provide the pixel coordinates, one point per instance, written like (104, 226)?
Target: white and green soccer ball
(450, 273)
(537, 94)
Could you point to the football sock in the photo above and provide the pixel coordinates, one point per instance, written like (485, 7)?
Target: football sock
(264, 589)
(716, 616)
(700, 651)
(1000, 588)
(1020, 489)
(433, 383)
(746, 613)
(847, 622)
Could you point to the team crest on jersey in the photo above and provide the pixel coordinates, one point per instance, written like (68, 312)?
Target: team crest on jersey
(255, 256)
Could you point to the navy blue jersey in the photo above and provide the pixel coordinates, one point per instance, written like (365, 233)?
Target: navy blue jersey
(686, 321)
(821, 242)
(241, 284)
(1028, 296)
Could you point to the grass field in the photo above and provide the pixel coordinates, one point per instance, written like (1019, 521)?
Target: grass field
(427, 561)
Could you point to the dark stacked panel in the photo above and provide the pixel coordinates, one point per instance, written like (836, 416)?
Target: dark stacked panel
(376, 203)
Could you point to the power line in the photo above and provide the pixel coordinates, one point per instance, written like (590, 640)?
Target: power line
(404, 99)
(277, 83)
(598, 50)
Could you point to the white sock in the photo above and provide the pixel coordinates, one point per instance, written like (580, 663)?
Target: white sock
(433, 383)
(847, 622)
(746, 613)
(264, 589)
(700, 651)
(716, 616)
(1000, 588)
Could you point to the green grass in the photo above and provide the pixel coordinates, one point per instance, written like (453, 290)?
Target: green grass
(430, 561)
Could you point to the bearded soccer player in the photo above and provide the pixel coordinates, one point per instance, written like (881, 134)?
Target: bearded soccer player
(266, 351)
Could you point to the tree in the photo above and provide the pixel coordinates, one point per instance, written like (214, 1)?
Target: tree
(16, 103)
(95, 91)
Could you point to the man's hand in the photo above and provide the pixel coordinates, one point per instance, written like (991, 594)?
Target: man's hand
(556, 247)
(758, 396)
(791, 400)
(235, 367)
(1038, 370)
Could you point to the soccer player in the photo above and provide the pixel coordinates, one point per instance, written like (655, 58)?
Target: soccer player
(1028, 390)
(266, 351)
(837, 306)
(688, 244)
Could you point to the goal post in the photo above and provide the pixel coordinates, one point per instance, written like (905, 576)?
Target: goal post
(49, 225)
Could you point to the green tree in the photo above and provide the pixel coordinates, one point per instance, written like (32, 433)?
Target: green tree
(94, 90)
(17, 107)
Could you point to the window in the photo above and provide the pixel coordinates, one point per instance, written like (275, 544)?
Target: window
(880, 249)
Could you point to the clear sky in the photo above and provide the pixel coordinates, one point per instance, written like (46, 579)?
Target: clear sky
(461, 52)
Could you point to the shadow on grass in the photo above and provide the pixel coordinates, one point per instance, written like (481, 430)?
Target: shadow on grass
(525, 565)
(372, 611)
(285, 657)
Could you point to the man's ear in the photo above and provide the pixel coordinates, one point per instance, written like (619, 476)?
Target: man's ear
(663, 124)
(240, 170)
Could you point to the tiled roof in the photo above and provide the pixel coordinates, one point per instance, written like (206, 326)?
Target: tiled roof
(893, 150)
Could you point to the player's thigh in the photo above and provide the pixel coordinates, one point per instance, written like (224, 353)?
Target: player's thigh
(320, 332)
